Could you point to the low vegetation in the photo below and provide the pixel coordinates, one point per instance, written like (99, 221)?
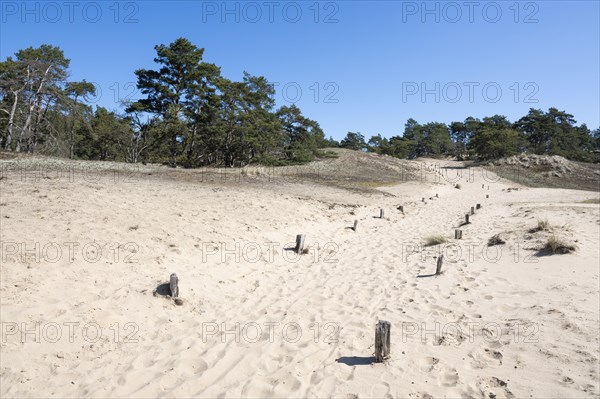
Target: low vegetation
(547, 171)
(542, 224)
(435, 240)
(557, 245)
(495, 240)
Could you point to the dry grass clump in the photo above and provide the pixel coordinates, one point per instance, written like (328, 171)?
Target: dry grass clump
(495, 240)
(542, 224)
(566, 227)
(557, 245)
(435, 240)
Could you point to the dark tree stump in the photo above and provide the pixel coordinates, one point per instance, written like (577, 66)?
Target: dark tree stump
(300, 243)
(382, 340)
(381, 213)
(467, 218)
(355, 225)
(174, 285)
(478, 206)
(438, 268)
(487, 196)
(458, 234)
(401, 208)
(472, 210)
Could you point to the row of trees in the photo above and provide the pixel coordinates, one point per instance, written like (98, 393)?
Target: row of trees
(551, 133)
(190, 115)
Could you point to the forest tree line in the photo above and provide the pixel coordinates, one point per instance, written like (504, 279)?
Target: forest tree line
(545, 133)
(192, 116)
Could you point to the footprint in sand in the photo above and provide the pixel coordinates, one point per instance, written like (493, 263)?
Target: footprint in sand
(485, 357)
(448, 377)
(420, 395)
(428, 363)
(495, 387)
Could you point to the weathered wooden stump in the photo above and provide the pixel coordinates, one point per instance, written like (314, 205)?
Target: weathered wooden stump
(174, 285)
(300, 243)
(487, 196)
(467, 218)
(438, 268)
(355, 225)
(423, 199)
(401, 208)
(483, 186)
(478, 206)
(381, 213)
(382, 340)
(458, 234)
(472, 210)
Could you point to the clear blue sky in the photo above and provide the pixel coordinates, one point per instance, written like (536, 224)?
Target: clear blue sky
(370, 60)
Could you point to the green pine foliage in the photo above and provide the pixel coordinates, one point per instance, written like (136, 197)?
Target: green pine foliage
(189, 115)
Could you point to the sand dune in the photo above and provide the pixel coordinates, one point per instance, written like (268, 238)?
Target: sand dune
(260, 321)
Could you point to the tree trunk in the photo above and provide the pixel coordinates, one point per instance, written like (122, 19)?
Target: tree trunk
(190, 152)
(11, 121)
(38, 121)
(27, 124)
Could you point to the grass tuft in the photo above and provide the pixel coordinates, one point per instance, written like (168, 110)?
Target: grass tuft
(495, 240)
(435, 240)
(558, 246)
(542, 224)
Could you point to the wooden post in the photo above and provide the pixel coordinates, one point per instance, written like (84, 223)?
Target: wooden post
(355, 225)
(487, 196)
(483, 186)
(382, 340)
(438, 269)
(457, 234)
(300, 243)
(381, 213)
(423, 199)
(467, 218)
(174, 285)
(472, 210)
(478, 206)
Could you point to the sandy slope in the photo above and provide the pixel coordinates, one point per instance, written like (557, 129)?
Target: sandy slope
(509, 325)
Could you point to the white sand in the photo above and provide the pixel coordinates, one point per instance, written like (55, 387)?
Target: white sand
(520, 326)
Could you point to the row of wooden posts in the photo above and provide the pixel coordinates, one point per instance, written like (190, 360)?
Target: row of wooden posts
(383, 328)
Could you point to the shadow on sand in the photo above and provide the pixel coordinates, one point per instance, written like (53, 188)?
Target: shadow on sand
(356, 360)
